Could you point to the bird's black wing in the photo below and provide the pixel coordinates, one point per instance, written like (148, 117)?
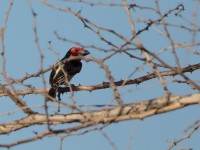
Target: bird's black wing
(57, 76)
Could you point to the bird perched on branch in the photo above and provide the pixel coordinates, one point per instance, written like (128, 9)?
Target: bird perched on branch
(66, 69)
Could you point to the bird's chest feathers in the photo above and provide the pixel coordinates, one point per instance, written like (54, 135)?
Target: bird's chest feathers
(72, 67)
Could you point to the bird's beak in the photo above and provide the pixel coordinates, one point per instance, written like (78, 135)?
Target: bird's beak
(84, 52)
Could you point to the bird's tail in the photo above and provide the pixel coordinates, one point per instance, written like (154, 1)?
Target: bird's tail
(52, 91)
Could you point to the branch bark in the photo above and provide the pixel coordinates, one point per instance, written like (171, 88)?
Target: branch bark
(138, 110)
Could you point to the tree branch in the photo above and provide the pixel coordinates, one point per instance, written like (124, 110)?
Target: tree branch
(104, 85)
(138, 110)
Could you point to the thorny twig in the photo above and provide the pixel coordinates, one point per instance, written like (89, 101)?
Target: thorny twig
(172, 72)
(41, 61)
(176, 142)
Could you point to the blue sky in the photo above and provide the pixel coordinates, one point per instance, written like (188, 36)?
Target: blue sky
(22, 57)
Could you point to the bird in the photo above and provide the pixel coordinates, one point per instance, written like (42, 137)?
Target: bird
(65, 69)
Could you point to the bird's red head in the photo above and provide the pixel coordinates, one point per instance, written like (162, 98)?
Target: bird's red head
(78, 51)
(74, 50)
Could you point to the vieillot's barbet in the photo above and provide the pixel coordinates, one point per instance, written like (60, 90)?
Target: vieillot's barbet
(67, 68)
